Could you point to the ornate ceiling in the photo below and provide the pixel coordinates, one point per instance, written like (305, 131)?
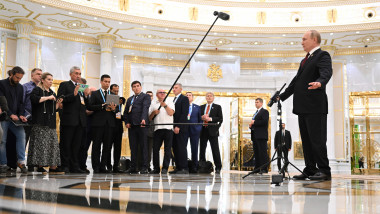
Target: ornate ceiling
(255, 25)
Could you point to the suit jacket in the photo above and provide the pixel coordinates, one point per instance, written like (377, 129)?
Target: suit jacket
(15, 104)
(195, 117)
(317, 68)
(288, 139)
(100, 117)
(260, 127)
(73, 112)
(216, 115)
(181, 111)
(140, 109)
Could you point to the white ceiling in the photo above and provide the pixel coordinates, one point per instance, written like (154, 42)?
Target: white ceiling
(71, 21)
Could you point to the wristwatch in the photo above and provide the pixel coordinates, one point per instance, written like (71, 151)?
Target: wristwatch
(166, 106)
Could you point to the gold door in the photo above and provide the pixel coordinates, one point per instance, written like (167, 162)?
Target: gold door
(365, 132)
(241, 147)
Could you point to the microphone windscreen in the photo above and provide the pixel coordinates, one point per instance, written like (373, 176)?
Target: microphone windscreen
(224, 16)
(3, 103)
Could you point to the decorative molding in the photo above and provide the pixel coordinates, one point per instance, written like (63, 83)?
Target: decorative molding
(269, 66)
(24, 28)
(223, 29)
(275, 4)
(106, 42)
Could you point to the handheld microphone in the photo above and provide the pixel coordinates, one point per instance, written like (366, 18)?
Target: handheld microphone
(222, 15)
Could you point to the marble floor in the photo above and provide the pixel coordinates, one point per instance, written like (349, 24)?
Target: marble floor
(194, 193)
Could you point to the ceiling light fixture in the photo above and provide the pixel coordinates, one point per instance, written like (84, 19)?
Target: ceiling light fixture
(144, 26)
(70, 13)
(283, 35)
(95, 18)
(43, 6)
(158, 44)
(331, 34)
(120, 23)
(82, 33)
(358, 32)
(49, 27)
(349, 46)
(235, 34)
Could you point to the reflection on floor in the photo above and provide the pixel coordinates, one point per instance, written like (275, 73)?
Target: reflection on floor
(194, 193)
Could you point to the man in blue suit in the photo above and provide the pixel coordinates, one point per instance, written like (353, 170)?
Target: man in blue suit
(194, 131)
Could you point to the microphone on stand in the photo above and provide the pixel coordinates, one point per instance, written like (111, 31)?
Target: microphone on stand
(222, 15)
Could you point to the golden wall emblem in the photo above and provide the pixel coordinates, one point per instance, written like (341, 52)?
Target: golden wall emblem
(215, 73)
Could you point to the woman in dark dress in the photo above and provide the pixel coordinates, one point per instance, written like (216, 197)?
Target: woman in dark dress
(43, 144)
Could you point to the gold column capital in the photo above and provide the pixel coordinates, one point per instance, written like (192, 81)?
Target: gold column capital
(106, 42)
(24, 27)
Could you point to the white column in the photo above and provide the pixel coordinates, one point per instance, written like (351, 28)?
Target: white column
(106, 42)
(330, 116)
(24, 28)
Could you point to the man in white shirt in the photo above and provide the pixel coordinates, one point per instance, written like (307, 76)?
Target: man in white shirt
(162, 133)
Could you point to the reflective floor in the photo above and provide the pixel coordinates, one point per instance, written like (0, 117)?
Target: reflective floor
(199, 193)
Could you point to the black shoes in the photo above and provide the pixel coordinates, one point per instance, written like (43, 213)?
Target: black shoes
(41, 169)
(144, 171)
(132, 171)
(156, 171)
(76, 171)
(300, 177)
(320, 176)
(164, 171)
(183, 172)
(217, 171)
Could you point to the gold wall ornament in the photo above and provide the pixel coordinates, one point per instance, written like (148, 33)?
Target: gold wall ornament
(74, 24)
(332, 15)
(215, 73)
(220, 42)
(368, 39)
(261, 17)
(193, 13)
(124, 5)
(106, 42)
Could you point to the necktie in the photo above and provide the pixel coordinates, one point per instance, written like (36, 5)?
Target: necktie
(304, 60)
(174, 99)
(255, 115)
(105, 94)
(207, 111)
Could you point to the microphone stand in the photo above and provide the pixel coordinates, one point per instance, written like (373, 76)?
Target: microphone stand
(218, 15)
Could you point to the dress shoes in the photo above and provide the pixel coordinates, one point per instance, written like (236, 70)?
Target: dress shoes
(193, 171)
(117, 170)
(173, 172)
(217, 171)
(64, 169)
(77, 170)
(131, 171)
(104, 170)
(144, 171)
(164, 171)
(156, 171)
(300, 177)
(85, 170)
(320, 176)
(182, 172)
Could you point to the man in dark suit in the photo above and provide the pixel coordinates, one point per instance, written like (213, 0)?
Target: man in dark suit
(193, 131)
(73, 121)
(310, 104)
(103, 123)
(135, 117)
(117, 134)
(285, 147)
(259, 135)
(211, 113)
(181, 103)
(13, 92)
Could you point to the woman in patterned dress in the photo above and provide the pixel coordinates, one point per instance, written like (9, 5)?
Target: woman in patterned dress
(43, 144)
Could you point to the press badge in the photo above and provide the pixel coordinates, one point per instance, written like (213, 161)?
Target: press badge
(118, 115)
(130, 109)
(82, 100)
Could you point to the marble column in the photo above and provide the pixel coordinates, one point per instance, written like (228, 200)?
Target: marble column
(330, 116)
(24, 28)
(106, 42)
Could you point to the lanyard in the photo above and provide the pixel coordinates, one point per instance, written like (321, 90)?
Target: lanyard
(102, 93)
(133, 98)
(190, 109)
(119, 107)
(255, 114)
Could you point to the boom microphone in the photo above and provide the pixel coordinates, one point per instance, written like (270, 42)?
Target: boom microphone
(222, 15)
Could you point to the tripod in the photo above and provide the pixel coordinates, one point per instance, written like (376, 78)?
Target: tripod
(277, 179)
